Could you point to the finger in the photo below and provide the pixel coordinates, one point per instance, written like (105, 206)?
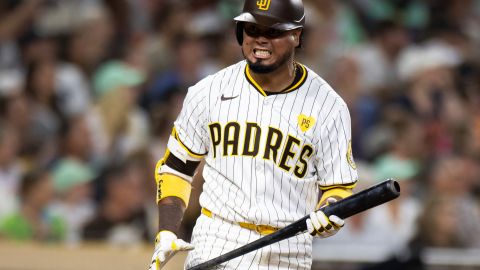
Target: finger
(324, 234)
(189, 246)
(160, 258)
(338, 222)
(331, 200)
(327, 225)
(310, 227)
(182, 245)
(315, 222)
(322, 219)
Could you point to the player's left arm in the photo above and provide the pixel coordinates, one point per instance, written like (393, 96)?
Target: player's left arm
(337, 172)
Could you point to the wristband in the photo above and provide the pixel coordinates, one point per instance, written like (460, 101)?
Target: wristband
(171, 185)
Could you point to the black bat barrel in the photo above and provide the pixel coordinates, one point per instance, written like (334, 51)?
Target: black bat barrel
(359, 202)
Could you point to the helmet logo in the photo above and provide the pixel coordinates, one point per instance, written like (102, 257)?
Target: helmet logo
(263, 4)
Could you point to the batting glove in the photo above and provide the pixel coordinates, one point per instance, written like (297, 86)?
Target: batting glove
(322, 226)
(166, 245)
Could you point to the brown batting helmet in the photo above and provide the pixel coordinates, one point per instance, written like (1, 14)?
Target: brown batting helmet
(279, 14)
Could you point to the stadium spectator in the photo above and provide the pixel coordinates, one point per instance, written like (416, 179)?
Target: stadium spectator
(76, 139)
(33, 220)
(121, 216)
(119, 127)
(74, 204)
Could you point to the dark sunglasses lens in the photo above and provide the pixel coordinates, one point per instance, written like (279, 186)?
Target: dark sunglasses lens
(273, 33)
(254, 31)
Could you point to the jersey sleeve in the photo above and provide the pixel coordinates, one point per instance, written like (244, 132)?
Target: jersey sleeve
(189, 140)
(335, 164)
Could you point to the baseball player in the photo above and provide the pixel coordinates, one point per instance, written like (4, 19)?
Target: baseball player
(276, 141)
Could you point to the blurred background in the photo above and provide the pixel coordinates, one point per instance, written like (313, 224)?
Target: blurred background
(89, 90)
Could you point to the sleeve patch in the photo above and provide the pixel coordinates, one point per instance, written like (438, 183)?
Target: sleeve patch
(350, 160)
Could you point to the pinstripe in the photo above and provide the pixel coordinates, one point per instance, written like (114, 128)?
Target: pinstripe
(233, 165)
(224, 162)
(281, 176)
(253, 260)
(218, 160)
(229, 191)
(265, 164)
(331, 151)
(241, 259)
(226, 165)
(264, 176)
(242, 178)
(318, 128)
(196, 125)
(273, 175)
(311, 111)
(212, 93)
(259, 103)
(304, 184)
(288, 130)
(209, 229)
(206, 242)
(320, 137)
(182, 128)
(346, 140)
(290, 117)
(217, 100)
(338, 144)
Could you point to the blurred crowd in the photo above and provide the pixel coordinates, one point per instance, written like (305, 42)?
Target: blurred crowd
(89, 90)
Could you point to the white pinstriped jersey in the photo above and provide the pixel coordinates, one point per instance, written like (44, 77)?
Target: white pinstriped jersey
(266, 155)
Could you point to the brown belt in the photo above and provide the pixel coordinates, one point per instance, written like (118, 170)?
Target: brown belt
(261, 229)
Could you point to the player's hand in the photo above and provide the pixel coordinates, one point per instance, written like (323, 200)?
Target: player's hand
(322, 226)
(166, 245)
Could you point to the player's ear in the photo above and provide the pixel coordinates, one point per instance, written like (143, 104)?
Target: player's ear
(295, 36)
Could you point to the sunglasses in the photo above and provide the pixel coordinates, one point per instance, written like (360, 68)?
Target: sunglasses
(254, 31)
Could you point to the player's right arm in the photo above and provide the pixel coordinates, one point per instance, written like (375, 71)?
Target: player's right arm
(186, 147)
(173, 177)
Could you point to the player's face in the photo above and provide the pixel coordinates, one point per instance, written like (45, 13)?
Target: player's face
(267, 49)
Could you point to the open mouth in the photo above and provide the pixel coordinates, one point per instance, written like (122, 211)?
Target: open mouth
(261, 53)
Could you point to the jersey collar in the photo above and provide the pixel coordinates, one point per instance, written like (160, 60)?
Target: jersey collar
(299, 79)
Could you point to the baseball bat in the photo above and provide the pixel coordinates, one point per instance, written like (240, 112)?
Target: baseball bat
(359, 202)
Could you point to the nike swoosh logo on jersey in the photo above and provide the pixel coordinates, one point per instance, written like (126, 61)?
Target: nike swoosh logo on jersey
(223, 98)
